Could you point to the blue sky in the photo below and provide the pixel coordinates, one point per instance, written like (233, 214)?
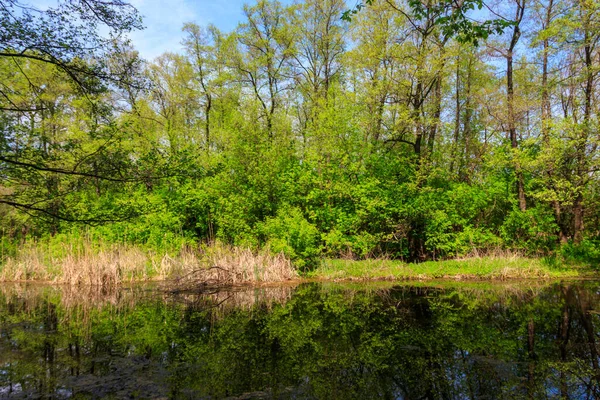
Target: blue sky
(164, 19)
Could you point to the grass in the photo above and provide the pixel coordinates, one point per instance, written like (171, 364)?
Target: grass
(87, 261)
(223, 265)
(476, 268)
(82, 263)
(94, 263)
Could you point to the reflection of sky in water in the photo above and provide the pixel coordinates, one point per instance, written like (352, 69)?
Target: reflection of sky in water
(11, 389)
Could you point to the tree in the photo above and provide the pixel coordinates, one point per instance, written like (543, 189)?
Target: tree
(267, 47)
(587, 35)
(201, 44)
(68, 37)
(40, 49)
(515, 34)
(546, 14)
(320, 45)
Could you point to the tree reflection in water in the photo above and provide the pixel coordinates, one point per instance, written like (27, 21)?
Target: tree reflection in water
(310, 341)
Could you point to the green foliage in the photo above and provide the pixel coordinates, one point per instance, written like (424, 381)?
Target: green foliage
(532, 230)
(282, 134)
(585, 253)
(453, 19)
(290, 233)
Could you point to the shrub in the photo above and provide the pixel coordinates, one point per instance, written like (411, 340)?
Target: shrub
(289, 232)
(531, 229)
(586, 252)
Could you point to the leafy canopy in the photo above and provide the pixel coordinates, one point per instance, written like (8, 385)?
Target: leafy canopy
(450, 16)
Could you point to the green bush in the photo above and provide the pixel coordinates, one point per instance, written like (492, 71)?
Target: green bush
(587, 252)
(533, 229)
(336, 243)
(289, 232)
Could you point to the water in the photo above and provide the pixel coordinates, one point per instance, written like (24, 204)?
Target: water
(468, 341)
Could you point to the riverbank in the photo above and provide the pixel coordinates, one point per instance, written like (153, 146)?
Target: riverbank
(97, 264)
(475, 268)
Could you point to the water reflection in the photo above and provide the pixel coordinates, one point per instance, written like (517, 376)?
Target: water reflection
(309, 341)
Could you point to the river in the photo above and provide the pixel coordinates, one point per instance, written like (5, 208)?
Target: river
(440, 340)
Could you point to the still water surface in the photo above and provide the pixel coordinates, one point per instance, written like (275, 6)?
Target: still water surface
(324, 341)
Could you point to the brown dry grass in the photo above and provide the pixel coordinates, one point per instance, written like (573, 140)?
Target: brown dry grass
(227, 265)
(97, 264)
(106, 268)
(85, 266)
(30, 264)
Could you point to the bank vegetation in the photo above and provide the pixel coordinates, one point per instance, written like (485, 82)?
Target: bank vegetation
(408, 131)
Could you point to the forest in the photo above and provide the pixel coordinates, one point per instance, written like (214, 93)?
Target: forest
(407, 129)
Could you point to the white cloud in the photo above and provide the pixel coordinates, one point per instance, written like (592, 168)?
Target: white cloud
(163, 21)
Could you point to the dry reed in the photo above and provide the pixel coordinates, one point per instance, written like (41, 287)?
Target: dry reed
(98, 264)
(82, 266)
(492, 253)
(227, 265)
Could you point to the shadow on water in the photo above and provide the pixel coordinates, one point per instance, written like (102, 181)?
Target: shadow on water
(314, 340)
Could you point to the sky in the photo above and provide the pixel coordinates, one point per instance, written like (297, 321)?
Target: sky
(165, 18)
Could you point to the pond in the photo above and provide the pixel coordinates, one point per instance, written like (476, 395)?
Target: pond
(313, 340)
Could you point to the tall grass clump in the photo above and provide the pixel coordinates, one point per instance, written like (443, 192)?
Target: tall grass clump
(76, 262)
(222, 264)
(84, 260)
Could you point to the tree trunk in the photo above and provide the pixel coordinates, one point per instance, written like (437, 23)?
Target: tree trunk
(512, 130)
(546, 118)
(578, 209)
(467, 132)
(437, 111)
(417, 120)
(457, 110)
(207, 127)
